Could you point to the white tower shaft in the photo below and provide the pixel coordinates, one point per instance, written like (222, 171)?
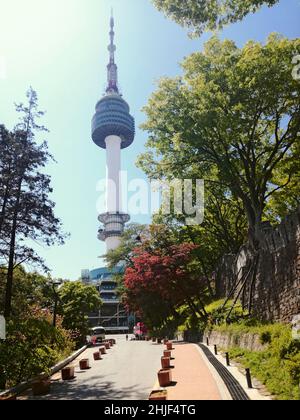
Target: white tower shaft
(113, 168)
(113, 187)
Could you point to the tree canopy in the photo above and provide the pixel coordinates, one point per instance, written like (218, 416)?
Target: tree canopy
(233, 118)
(161, 281)
(77, 300)
(201, 15)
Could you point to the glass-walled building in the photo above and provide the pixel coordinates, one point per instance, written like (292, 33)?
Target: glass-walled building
(112, 315)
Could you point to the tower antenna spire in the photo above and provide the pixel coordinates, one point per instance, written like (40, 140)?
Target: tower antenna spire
(112, 69)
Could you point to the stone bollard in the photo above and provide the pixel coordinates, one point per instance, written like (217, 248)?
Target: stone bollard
(169, 345)
(164, 377)
(41, 387)
(102, 350)
(97, 356)
(157, 395)
(165, 362)
(68, 373)
(84, 364)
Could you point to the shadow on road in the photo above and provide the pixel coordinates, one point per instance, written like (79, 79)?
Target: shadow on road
(72, 390)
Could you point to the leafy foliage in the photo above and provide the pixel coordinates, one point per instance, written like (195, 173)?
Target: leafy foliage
(204, 15)
(223, 231)
(160, 281)
(76, 302)
(278, 365)
(32, 347)
(28, 289)
(234, 118)
(130, 239)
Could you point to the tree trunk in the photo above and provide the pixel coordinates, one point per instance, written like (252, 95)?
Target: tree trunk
(12, 245)
(194, 309)
(252, 285)
(211, 292)
(254, 216)
(10, 272)
(206, 277)
(5, 199)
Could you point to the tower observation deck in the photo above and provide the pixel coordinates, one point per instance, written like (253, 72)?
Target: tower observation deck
(113, 129)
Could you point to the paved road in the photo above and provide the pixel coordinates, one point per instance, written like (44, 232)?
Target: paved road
(127, 372)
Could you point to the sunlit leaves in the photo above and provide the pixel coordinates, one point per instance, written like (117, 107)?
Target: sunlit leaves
(202, 15)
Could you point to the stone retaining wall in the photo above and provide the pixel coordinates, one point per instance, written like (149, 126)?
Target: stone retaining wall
(228, 340)
(276, 292)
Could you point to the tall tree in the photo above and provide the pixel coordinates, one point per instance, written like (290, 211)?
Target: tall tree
(234, 114)
(201, 15)
(76, 302)
(6, 171)
(27, 212)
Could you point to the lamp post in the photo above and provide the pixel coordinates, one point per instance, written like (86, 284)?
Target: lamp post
(55, 286)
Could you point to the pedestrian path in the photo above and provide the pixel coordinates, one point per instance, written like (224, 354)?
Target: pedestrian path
(192, 379)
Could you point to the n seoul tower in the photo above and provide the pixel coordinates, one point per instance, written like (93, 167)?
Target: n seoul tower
(112, 129)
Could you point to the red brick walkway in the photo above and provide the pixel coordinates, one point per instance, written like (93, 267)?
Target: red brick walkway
(193, 377)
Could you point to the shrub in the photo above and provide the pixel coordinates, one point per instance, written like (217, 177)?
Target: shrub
(278, 365)
(265, 337)
(32, 346)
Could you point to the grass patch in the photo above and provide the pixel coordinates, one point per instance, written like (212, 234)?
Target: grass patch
(278, 366)
(218, 312)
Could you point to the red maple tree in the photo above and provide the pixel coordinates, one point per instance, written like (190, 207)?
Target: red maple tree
(158, 276)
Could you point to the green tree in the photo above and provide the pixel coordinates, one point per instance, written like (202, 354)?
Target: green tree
(131, 238)
(27, 212)
(223, 231)
(28, 289)
(76, 302)
(285, 200)
(234, 116)
(201, 15)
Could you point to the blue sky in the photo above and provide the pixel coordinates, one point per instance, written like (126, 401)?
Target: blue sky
(60, 48)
